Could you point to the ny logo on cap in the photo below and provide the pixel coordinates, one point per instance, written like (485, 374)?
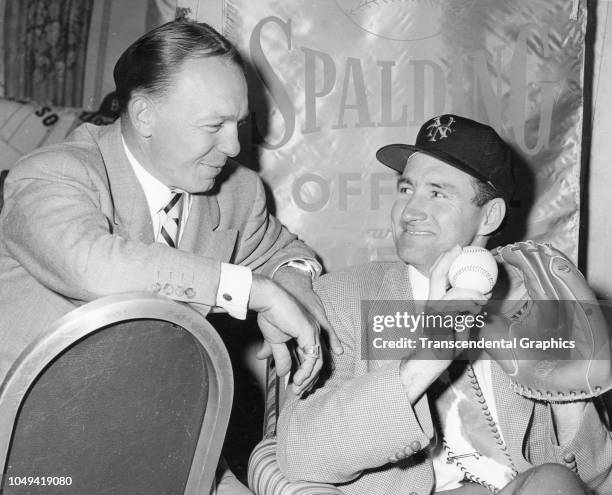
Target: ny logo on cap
(438, 130)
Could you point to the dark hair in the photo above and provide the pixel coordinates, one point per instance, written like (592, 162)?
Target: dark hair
(150, 62)
(484, 192)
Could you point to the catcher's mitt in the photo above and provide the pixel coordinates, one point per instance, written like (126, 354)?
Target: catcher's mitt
(544, 298)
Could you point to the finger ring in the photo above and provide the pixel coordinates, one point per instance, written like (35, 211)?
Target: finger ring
(311, 351)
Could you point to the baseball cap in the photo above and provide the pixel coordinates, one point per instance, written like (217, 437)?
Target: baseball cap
(470, 146)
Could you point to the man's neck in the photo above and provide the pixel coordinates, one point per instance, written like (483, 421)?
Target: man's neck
(135, 143)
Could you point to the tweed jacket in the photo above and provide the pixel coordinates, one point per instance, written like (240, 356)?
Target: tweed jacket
(75, 226)
(347, 430)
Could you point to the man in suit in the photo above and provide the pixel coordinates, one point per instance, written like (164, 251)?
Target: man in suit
(153, 203)
(423, 425)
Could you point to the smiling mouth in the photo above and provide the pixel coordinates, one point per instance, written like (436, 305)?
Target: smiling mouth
(417, 233)
(211, 165)
(213, 170)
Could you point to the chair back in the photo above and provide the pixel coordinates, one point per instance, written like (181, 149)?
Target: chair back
(130, 394)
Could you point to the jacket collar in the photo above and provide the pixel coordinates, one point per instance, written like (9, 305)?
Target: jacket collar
(131, 213)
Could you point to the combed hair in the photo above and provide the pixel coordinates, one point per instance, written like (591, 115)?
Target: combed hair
(484, 192)
(150, 62)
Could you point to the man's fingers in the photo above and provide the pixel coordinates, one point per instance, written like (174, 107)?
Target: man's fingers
(282, 359)
(304, 371)
(265, 351)
(459, 299)
(308, 363)
(305, 377)
(334, 341)
(324, 323)
(460, 293)
(315, 307)
(439, 273)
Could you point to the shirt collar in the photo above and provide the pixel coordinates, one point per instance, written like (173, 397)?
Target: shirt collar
(419, 284)
(156, 192)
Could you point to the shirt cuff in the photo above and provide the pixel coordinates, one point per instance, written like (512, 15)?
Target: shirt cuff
(234, 289)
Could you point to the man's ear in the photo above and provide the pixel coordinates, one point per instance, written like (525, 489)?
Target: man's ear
(494, 212)
(140, 111)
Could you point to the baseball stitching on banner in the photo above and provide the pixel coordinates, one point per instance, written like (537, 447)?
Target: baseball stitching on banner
(402, 20)
(366, 4)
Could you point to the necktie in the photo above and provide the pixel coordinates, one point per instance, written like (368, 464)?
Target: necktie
(170, 221)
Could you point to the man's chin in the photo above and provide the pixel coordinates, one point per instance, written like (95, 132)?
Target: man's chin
(206, 185)
(415, 257)
(207, 176)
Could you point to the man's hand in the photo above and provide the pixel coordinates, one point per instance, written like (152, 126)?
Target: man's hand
(441, 299)
(281, 317)
(418, 373)
(454, 301)
(299, 285)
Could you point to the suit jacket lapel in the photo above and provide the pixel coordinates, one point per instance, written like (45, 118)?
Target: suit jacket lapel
(398, 278)
(202, 234)
(514, 413)
(131, 215)
(395, 286)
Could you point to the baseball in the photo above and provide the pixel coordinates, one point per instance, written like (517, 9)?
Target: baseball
(475, 268)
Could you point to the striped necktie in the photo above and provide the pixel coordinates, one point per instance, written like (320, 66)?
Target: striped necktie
(170, 220)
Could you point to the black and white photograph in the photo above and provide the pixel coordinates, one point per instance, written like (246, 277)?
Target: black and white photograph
(291, 247)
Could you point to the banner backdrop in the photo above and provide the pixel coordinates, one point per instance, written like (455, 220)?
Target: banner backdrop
(334, 80)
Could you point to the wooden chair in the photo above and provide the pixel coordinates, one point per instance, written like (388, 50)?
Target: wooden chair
(129, 394)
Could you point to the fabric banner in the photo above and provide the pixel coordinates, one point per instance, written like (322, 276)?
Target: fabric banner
(334, 80)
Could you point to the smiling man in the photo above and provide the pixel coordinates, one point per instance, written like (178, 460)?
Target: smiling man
(433, 423)
(154, 203)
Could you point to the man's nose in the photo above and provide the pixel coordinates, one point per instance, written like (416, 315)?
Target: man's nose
(413, 210)
(229, 143)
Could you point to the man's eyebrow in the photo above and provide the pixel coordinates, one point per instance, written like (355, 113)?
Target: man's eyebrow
(446, 186)
(220, 116)
(403, 181)
(443, 185)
